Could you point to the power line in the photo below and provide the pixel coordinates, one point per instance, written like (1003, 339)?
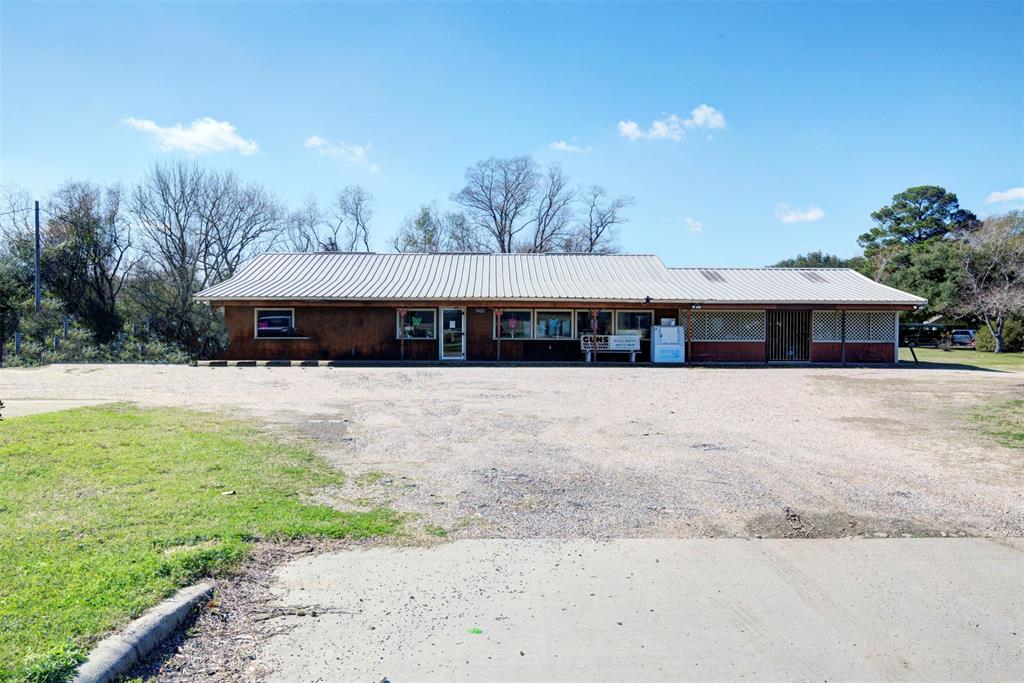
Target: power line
(27, 208)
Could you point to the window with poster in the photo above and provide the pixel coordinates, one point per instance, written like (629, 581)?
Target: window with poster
(418, 323)
(553, 325)
(515, 324)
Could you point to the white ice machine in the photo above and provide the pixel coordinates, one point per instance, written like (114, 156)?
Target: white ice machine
(668, 344)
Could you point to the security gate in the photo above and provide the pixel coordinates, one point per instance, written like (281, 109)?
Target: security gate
(789, 336)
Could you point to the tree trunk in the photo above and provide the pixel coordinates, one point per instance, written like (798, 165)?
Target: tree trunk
(997, 334)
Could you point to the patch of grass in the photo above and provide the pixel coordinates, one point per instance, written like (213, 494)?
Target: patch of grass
(435, 530)
(975, 359)
(1003, 422)
(372, 477)
(105, 511)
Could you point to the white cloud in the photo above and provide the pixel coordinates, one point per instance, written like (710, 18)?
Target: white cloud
(673, 127)
(563, 146)
(356, 154)
(203, 135)
(694, 226)
(1011, 195)
(788, 214)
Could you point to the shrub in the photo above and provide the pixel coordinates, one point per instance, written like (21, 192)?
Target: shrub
(1013, 337)
(79, 347)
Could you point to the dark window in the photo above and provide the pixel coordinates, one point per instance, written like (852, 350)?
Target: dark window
(604, 323)
(275, 323)
(633, 322)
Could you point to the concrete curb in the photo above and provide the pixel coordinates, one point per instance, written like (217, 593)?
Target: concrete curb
(117, 654)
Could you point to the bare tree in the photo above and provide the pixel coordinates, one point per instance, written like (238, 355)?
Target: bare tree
(553, 212)
(308, 230)
(168, 206)
(430, 231)
(241, 219)
(353, 210)
(596, 232)
(497, 198)
(993, 261)
(15, 214)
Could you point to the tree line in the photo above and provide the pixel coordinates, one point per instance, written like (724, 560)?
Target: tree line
(925, 243)
(113, 256)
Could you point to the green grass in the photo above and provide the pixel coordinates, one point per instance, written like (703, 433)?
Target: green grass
(435, 530)
(105, 511)
(372, 477)
(965, 357)
(1003, 422)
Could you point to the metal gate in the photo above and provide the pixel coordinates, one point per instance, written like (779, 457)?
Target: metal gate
(789, 336)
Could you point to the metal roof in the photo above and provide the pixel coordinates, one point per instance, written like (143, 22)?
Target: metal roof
(344, 276)
(787, 285)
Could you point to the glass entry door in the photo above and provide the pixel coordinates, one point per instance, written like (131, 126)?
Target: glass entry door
(453, 334)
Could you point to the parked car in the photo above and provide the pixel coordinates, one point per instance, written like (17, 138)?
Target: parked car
(275, 326)
(962, 338)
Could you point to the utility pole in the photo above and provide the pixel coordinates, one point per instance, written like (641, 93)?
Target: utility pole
(38, 289)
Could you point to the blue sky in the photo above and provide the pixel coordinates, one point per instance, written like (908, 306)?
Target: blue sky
(819, 112)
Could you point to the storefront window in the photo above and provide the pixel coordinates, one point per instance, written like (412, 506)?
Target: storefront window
(275, 323)
(633, 322)
(554, 325)
(418, 323)
(604, 322)
(515, 324)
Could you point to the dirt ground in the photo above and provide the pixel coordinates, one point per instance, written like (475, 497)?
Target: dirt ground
(583, 455)
(568, 452)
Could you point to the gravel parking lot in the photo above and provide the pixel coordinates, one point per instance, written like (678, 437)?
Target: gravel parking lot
(563, 452)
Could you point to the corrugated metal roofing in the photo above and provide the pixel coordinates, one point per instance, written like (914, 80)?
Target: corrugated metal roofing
(787, 285)
(534, 277)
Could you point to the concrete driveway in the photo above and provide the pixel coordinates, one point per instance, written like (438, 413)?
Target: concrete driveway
(656, 609)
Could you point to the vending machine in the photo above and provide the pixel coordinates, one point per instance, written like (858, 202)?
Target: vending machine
(668, 344)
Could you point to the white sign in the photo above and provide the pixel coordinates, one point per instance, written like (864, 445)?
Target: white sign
(610, 342)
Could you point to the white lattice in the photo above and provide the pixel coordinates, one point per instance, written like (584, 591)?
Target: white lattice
(883, 326)
(826, 326)
(727, 326)
(870, 326)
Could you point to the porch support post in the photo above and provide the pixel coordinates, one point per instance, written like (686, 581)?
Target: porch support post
(401, 332)
(842, 337)
(497, 330)
(689, 347)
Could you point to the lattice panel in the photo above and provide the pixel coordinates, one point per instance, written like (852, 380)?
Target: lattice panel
(727, 326)
(870, 326)
(826, 326)
(883, 327)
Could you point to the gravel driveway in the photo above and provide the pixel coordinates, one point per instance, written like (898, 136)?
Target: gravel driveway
(564, 452)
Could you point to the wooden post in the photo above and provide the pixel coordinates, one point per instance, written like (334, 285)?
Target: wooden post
(689, 348)
(842, 337)
(593, 331)
(401, 332)
(497, 330)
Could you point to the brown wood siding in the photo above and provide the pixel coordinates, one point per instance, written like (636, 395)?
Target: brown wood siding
(368, 333)
(856, 352)
(333, 334)
(727, 352)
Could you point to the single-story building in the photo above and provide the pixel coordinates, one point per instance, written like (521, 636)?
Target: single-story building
(535, 307)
